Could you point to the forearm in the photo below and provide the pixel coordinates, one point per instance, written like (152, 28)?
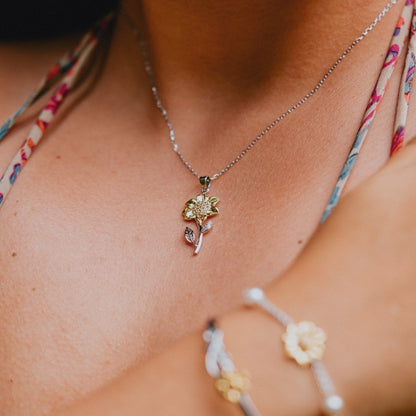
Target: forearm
(175, 382)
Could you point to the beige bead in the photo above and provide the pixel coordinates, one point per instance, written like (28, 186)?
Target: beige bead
(233, 396)
(231, 385)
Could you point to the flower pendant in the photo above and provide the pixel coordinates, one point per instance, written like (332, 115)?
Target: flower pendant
(198, 209)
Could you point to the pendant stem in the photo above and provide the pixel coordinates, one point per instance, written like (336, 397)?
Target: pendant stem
(199, 243)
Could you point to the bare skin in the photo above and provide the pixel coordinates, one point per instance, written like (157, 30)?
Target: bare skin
(101, 277)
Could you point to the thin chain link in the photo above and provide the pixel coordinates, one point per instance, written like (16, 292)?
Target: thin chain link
(266, 130)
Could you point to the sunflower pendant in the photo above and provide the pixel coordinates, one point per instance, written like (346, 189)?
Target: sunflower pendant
(198, 209)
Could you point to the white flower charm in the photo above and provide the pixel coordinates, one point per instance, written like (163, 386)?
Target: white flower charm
(304, 342)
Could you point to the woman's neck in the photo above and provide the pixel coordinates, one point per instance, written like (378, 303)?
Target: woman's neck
(224, 69)
(243, 44)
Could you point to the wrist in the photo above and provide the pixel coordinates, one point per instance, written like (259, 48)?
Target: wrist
(278, 385)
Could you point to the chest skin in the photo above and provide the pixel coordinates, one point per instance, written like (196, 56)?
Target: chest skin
(95, 273)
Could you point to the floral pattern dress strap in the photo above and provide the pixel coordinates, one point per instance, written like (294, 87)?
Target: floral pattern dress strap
(405, 90)
(71, 65)
(398, 43)
(51, 78)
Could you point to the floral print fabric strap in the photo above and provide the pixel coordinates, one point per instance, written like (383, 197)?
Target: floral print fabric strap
(405, 90)
(61, 67)
(71, 64)
(398, 42)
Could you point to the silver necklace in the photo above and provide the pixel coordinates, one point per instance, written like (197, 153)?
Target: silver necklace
(201, 207)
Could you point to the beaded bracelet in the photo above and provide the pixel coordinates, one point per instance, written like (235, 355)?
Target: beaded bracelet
(305, 343)
(230, 383)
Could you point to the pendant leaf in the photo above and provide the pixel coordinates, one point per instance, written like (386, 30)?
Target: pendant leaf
(189, 236)
(206, 227)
